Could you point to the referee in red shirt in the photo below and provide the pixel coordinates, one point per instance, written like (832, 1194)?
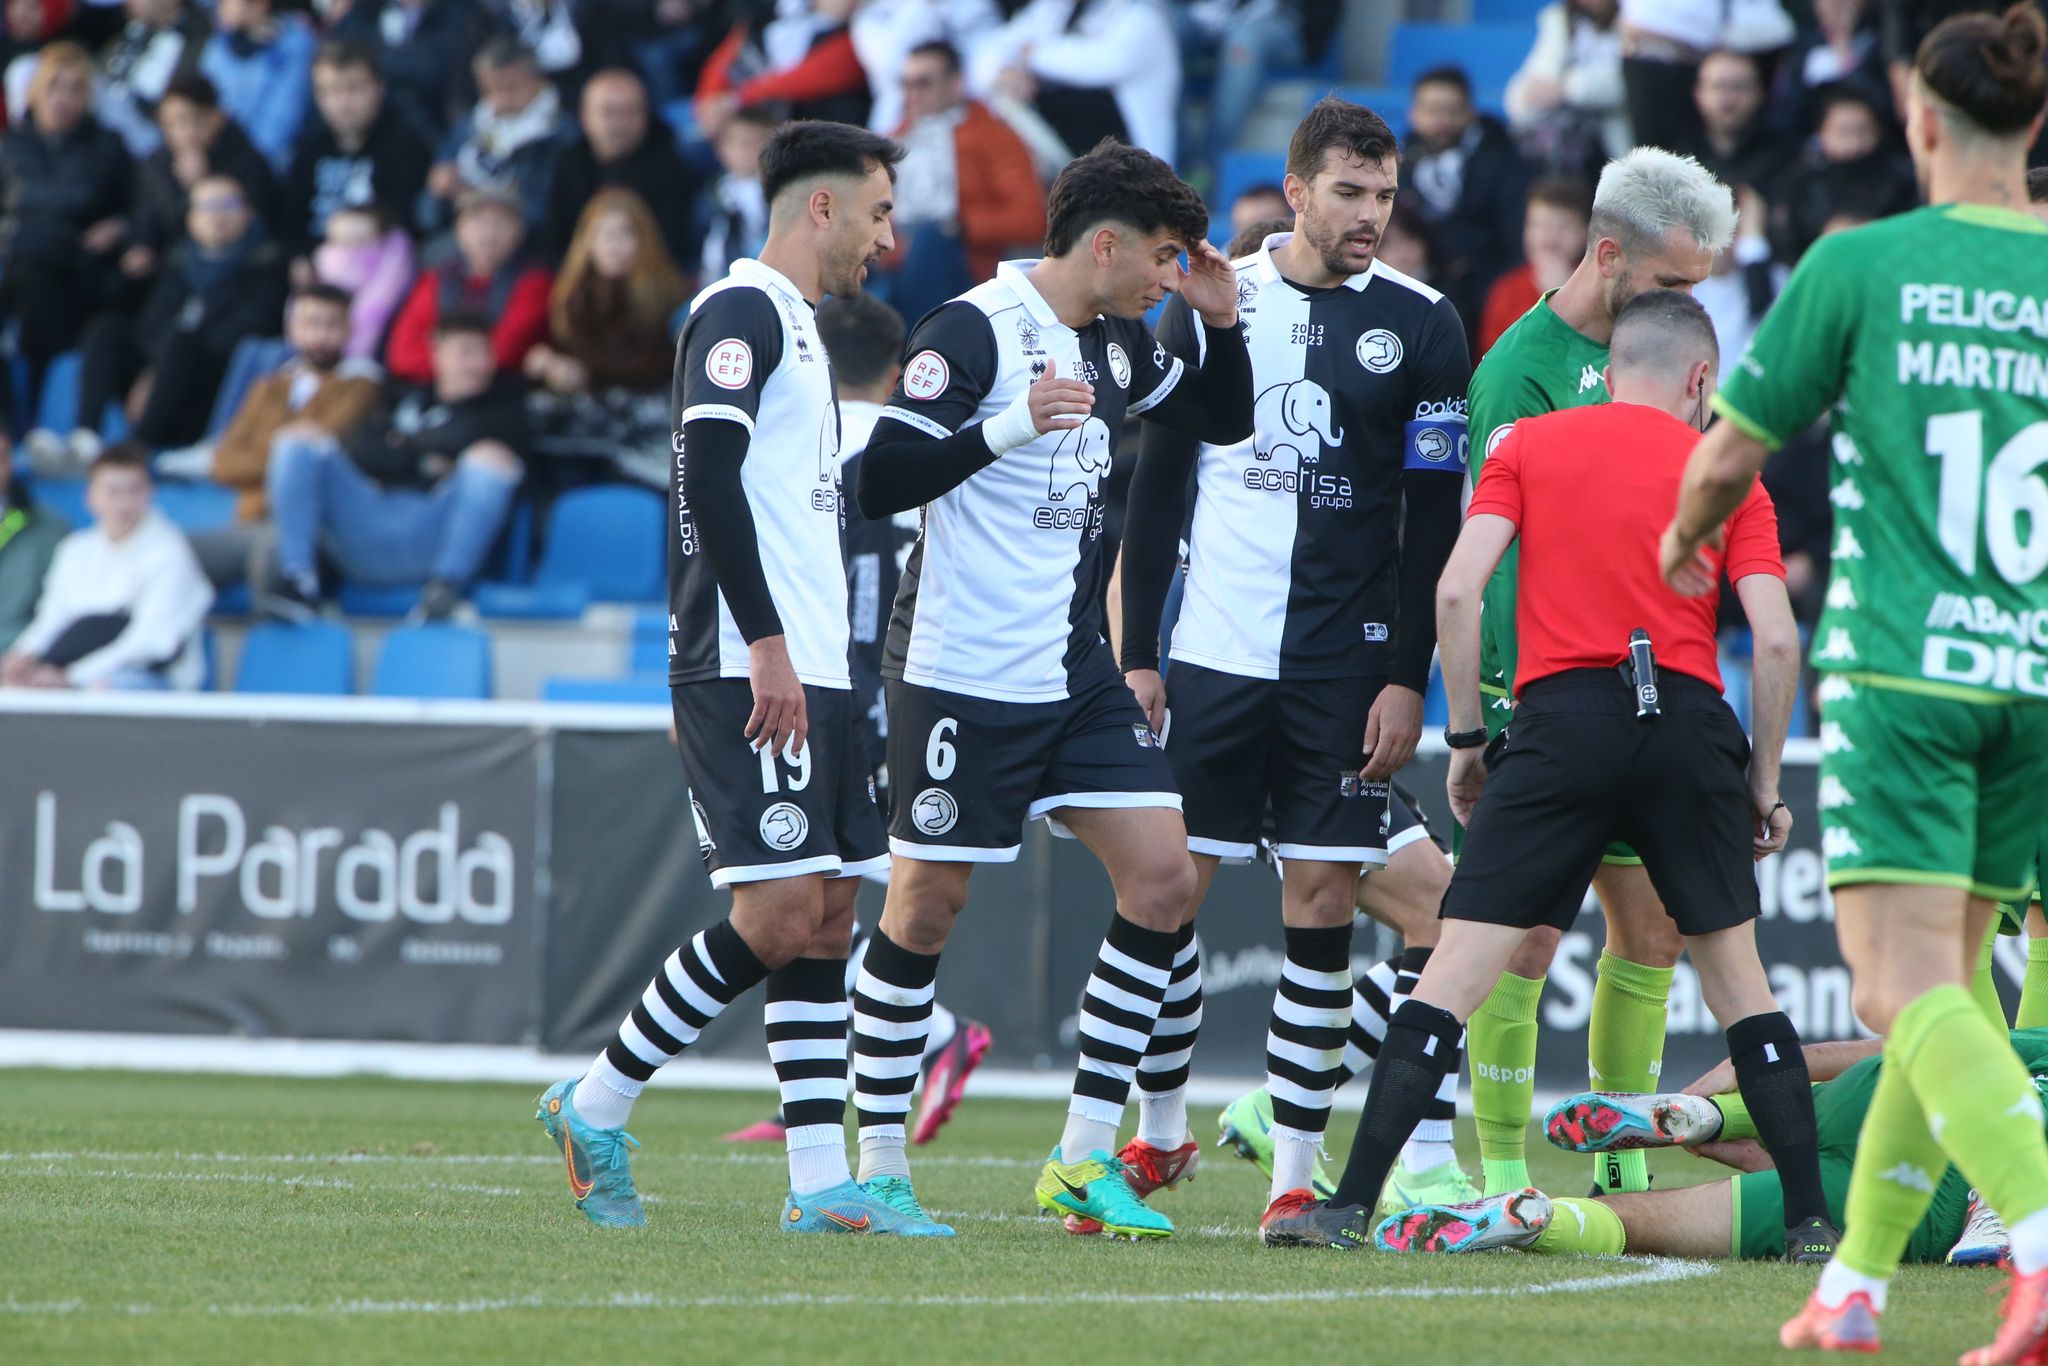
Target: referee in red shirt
(1603, 746)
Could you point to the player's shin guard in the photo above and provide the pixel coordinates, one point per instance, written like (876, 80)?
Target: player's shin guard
(1770, 1071)
(1163, 1071)
(1421, 1046)
(892, 1013)
(1984, 984)
(806, 1016)
(1118, 1012)
(1305, 1047)
(1502, 1042)
(694, 986)
(1431, 1144)
(1625, 1051)
(2033, 1011)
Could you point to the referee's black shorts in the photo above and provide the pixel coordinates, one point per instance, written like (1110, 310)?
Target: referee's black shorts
(1580, 769)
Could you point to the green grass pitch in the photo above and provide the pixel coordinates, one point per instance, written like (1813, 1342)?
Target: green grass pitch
(227, 1219)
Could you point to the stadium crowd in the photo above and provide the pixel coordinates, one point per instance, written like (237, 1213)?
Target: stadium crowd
(473, 224)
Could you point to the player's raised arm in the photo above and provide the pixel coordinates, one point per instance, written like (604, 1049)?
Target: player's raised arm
(1217, 405)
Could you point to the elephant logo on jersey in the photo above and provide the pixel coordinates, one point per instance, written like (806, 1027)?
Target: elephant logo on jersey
(934, 812)
(1287, 412)
(784, 826)
(1079, 461)
(1379, 351)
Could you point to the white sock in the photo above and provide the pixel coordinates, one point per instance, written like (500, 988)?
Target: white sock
(883, 1155)
(604, 1097)
(1838, 1283)
(1083, 1136)
(817, 1158)
(1419, 1154)
(945, 1024)
(1163, 1118)
(2030, 1243)
(1294, 1159)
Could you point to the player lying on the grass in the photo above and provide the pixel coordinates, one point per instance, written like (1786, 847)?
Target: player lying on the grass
(1607, 743)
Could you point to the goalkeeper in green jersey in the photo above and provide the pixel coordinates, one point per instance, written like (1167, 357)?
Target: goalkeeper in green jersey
(1926, 337)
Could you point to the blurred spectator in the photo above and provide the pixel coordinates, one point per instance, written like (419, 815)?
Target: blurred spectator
(548, 30)
(199, 140)
(966, 192)
(1249, 38)
(29, 535)
(1840, 45)
(620, 144)
(885, 32)
(1258, 204)
(416, 492)
(604, 372)
(1567, 104)
(26, 26)
(1408, 244)
(316, 392)
(1468, 183)
(422, 49)
(1252, 236)
(361, 150)
(1553, 242)
(793, 53)
(1745, 279)
(1850, 170)
(1663, 43)
(509, 142)
(1797, 476)
(670, 47)
(124, 599)
(1091, 69)
(262, 62)
(224, 282)
(65, 182)
(1735, 141)
(488, 276)
(371, 263)
(739, 212)
(162, 40)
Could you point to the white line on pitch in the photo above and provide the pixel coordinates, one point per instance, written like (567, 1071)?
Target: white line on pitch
(470, 1159)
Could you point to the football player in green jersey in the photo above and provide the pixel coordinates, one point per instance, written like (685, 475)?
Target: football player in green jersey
(1658, 221)
(1927, 335)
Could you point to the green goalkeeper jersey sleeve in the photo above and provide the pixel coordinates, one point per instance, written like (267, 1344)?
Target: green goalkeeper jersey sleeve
(1926, 334)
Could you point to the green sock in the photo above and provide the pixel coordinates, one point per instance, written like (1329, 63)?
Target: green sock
(1736, 1124)
(1625, 1051)
(1584, 1226)
(1897, 1164)
(2033, 1012)
(1500, 1044)
(1979, 1101)
(1984, 989)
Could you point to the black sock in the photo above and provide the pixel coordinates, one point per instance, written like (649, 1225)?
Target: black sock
(1770, 1072)
(1421, 1049)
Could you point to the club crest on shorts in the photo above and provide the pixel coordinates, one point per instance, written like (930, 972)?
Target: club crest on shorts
(784, 826)
(934, 812)
(1379, 351)
(1119, 366)
(1146, 737)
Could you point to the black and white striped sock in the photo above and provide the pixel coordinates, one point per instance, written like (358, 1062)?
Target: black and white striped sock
(1305, 1046)
(1118, 1012)
(806, 1016)
(1371, 1006)
(1163, 1071)
(892, 1013)
(698, 981)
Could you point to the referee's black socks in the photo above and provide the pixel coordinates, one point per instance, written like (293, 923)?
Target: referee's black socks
(1770, 1071)
(1421, 1049)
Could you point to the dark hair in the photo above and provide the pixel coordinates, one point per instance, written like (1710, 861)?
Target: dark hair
(1563, 192)
(502, 51)
(320, 292)
(760, 116)
(1340, 125)
(342, 54)
(1254, 236)
(809, 148)
(192, 88)
(1265, 189)
(1447, 74)
(1678, 328)
(1989, 67)
(1837, 93)
(2037, 185)
(1748, 59)
(1119, 183)
(863, 336)
(943, 50)
(462, 321)
(122, 455)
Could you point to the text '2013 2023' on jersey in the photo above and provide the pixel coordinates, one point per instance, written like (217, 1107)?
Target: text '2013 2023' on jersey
(1932, 328)
(750, 354)
(1002, 594)
(1297, 538)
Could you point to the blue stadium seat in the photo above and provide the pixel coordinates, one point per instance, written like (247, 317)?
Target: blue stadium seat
(1508, 12)
(434, 661)
(57, 405)
(638, 688)
(232, 601)
(650, 642)
(316, 658)
(1237, 172)
(196, 507)
(254, 358)
(366, 600)
(604, 544)
(1489, 54)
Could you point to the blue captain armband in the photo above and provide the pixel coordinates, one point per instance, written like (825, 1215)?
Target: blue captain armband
(1436, 441)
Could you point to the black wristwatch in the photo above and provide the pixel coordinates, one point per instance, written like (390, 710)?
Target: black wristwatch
(1465, 739)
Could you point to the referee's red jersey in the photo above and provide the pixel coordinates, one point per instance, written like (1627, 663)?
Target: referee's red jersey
(1591, 491)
